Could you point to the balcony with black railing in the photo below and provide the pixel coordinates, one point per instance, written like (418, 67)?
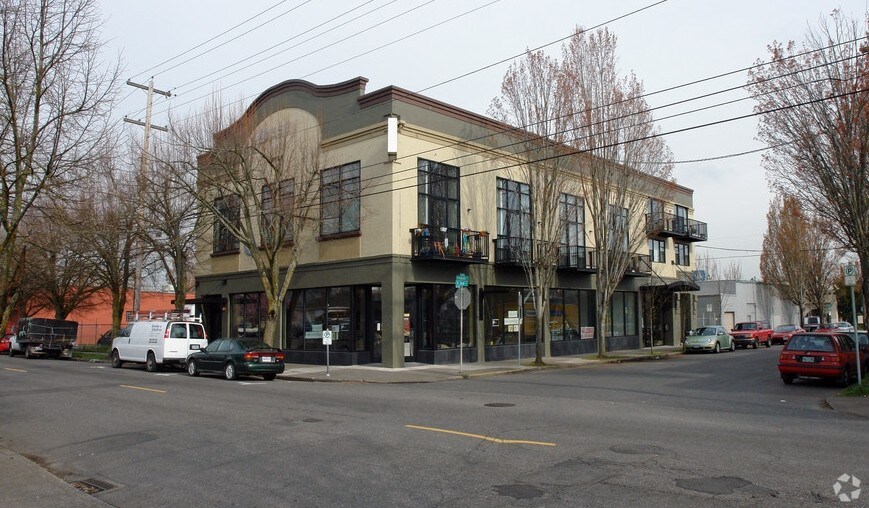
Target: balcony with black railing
(669, 224)
(640, 265)
(576, 257)
(512, 251)
(449, 244)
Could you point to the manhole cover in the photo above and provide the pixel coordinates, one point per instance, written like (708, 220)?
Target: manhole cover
(500, 404)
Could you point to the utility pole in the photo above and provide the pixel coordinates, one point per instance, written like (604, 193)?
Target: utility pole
(143, 170)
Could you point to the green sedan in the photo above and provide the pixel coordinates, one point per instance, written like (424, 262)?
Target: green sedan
(708, 338)
(236, 357)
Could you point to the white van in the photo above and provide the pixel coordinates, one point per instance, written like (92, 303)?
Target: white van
(158, 342)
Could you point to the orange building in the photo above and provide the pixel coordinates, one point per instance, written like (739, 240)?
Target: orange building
(95, 321)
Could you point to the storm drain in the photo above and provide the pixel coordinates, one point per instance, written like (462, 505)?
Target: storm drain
(92, 485)
(499, 404)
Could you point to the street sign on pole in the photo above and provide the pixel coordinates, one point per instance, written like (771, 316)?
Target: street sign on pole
(462, 280)
(850, 275)
(327, 341)
(462, 298)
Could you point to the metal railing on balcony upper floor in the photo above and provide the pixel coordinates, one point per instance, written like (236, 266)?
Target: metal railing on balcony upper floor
(512, 250)
(669, 224)
(449, 244)
(576, 257)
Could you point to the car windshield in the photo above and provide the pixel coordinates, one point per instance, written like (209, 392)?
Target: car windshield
(785, 328)
(810, 343)
(746, 326)
(706, 330)
(251, 344)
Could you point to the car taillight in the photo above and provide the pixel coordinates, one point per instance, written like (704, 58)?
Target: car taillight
(250, 356)
(279, 357)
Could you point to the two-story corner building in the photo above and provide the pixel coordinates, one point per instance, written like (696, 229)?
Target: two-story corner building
(426, 200)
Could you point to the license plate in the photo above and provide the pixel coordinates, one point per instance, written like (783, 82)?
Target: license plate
(194, 346)
(808, 359)
(268, 359)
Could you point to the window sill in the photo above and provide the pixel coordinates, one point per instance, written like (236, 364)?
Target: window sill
(338, 236)
(233, 252)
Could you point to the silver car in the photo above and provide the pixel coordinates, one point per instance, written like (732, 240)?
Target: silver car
(708, 338)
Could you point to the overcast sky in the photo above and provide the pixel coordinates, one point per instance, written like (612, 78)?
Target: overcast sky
(429, 46)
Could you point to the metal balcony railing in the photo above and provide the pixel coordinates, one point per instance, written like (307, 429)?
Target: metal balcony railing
(449, 244)
(512, 250)
(668, 224)
(576, 257)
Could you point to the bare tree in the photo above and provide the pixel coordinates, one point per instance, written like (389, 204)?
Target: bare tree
(815, 118)
(258, 182)
(54, 102)
(107, 223)
(610, 121)
(823, 265)
(169, 219)
(537, 236)
(732, 271)
(59, 274)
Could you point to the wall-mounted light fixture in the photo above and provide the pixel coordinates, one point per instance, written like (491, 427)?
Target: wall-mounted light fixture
(392, 136)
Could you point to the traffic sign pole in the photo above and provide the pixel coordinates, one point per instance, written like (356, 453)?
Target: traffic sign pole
(851, 281)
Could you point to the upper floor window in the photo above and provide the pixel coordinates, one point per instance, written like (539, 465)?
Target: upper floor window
(681, 219)
(277, 211)
(339, 199)
(656, 207)
(438, 202)
(683, 253)
(572, 217)
(657, 250)
(514, 209)
(228, 208)
(618, 230)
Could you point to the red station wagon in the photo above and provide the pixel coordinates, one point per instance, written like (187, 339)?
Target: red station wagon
(819, 355)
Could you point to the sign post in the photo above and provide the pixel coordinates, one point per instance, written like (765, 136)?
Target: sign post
(851, 281)
(327, 341)
(462, 299)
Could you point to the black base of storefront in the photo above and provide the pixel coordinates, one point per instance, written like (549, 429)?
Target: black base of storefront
(335, 357)
(446, 356)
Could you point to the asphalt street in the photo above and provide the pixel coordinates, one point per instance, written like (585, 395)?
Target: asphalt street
(698, 430)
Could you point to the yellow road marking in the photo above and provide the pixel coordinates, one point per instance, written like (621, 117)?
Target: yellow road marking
(479, 436)
(14, 370)
(142, 388)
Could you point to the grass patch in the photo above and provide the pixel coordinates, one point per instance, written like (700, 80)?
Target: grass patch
(855, 390)
(90, 352)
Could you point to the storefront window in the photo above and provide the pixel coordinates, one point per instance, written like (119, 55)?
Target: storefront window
(340, 309)
(249, 311)
(623, 315)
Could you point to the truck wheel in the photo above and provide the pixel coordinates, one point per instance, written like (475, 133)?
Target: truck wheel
(754, 344)
(116, 360)
(151, 364)
(768, 343)
(11, 352)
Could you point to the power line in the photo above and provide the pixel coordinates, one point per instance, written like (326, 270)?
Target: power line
(214, 38)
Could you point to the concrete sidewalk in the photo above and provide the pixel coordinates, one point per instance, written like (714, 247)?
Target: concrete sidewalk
(426, 373)
(26, 484)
